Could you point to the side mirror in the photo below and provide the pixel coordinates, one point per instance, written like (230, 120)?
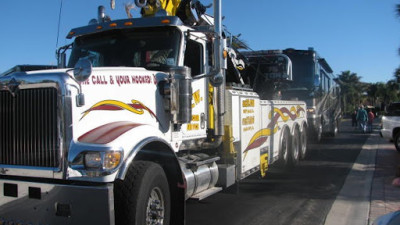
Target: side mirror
(82, 70)
(61, 61)
(62, 56)
(317, 80)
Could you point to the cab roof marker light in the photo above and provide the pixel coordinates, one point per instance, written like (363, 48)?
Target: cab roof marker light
(113, 25)
(128, 23)
(125, 23)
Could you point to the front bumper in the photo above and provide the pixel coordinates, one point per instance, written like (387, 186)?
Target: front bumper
(45, 203)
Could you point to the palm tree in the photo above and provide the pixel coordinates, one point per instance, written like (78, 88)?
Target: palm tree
(352, 90)
(392, 88)
(397, 74)
(372, 93)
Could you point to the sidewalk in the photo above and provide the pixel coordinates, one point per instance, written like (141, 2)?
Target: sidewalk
(385, 197)
(368, 191)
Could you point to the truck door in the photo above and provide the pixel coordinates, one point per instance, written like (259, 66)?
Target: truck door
(194, 58)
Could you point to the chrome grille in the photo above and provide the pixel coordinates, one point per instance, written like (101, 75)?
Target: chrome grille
(28, 128)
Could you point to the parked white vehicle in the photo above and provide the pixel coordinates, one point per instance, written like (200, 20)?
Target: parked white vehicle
(391, 124)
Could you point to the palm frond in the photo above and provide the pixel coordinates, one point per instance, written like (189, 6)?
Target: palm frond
(398, 10)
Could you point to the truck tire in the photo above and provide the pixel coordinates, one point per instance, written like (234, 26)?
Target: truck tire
(294, 149)
(284, 151)
(143, 197)
(303, 143)
(396, 141)
(315, 134)
(334, 130)
(319, 133)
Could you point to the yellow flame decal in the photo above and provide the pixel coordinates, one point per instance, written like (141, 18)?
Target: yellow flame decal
(284, 113)
(263, 132)
(118, 104)
(276, 110)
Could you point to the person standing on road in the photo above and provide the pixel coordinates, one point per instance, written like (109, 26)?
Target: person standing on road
(354, 119)
(371, 118)
(362, 118)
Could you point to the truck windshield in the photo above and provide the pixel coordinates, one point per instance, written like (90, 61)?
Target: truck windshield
(155, 49)
(303, 71)
(270, 67)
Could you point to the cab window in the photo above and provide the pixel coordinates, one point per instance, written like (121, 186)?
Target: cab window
(193, 57)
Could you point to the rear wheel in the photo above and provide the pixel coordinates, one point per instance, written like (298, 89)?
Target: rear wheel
(294, 149)
(284, 150)
(143, 198)
(397, 141)
(303, 143)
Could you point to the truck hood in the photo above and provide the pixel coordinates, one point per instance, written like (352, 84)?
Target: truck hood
(115, 94)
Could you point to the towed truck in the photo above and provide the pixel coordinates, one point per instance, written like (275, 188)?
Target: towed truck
(140, 119)
(312, 81)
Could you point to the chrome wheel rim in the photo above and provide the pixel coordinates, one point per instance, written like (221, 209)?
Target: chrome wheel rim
(285, 148)
(155, 207)
(296, 147)
(303, 143)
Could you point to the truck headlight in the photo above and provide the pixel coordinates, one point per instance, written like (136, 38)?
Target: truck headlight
(93, 160)
(102, 160)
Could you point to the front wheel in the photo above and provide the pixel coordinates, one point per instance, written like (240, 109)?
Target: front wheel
(315, 134)
(143, 198)
(319, 133)
(335, 128)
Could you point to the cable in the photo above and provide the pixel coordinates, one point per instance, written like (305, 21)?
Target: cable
(59, 22)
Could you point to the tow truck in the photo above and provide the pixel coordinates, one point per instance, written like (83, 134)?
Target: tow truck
(147, 113)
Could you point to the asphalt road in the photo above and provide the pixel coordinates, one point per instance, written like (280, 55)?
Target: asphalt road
(302, 196)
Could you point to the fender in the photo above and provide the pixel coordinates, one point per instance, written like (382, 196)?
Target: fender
(135, 150)
(157, 149)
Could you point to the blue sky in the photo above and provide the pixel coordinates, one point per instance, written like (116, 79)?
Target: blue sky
(362, 36)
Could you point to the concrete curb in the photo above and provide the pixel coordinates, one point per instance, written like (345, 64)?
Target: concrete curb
(353, 201)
